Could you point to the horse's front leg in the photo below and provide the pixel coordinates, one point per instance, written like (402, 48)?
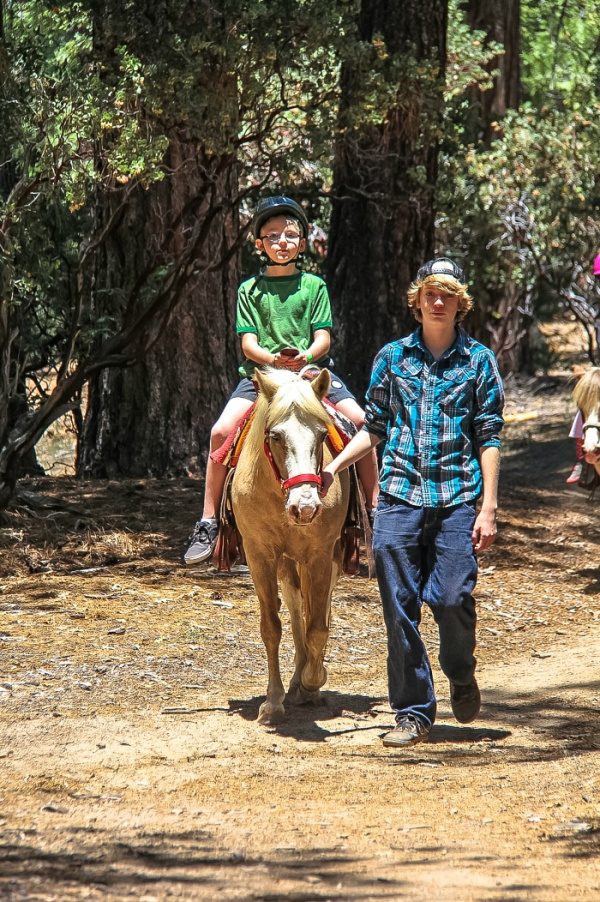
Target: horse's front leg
(264, 576)
(320, 580)
(292, 597)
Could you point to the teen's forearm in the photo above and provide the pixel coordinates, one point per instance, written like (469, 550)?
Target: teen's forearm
(356, 449)
(489, 458)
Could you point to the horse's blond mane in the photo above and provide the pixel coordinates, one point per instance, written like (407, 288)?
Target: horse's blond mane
(587, 391)
(293, 392)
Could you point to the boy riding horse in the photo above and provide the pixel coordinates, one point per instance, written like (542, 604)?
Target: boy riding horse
(284, 321)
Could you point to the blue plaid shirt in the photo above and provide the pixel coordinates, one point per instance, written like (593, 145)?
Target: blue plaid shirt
(434, 416)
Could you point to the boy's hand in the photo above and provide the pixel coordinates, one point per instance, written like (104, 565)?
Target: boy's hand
(283, 362)
(286, 362)
(299, 362)
(484, 530)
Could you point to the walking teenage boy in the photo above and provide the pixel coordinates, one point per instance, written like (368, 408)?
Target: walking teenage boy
(284, 321)
(436, 400)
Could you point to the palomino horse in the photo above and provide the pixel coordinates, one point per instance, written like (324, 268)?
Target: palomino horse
(587, 398)
(289, 532)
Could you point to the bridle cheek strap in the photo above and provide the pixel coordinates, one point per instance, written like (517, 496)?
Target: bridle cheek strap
(589, 425)
(287, 484)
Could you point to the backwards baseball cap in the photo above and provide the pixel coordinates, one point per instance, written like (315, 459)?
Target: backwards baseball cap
(441, 266)
(597, 266)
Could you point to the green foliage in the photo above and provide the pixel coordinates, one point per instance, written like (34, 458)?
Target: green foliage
(528, 207)
(560, 43)
(523, 213)
(93, 93)
(469, 53)
(71, 113)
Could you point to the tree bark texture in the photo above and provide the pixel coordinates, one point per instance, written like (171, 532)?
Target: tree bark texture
(382, 226)
(500, 20)
(154, 417)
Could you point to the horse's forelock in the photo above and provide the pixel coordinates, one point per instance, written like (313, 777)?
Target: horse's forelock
(293, 393)
(298, 396)
(587, 391)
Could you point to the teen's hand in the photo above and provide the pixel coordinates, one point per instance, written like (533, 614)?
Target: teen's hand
(484, 530)
(326, 484)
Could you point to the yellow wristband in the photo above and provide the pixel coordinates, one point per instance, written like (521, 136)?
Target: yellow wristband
(309, 358)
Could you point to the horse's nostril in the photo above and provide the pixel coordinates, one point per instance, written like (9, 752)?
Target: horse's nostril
(304, 513)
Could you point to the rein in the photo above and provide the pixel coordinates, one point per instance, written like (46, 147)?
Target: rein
(287, 484)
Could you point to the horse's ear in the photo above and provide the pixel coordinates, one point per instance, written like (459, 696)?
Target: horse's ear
(322, 384)
(265, 385)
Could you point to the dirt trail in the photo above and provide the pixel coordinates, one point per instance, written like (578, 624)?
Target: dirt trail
(132, 765)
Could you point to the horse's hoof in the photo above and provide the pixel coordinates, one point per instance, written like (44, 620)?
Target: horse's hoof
(270, 714)
(306, 696)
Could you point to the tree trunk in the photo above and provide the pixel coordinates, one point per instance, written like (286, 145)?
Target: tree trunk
(382, 225)
(500, 20)
(154, 417)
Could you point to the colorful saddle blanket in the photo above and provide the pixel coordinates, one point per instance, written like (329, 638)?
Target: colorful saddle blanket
(340, 430)
(229, 544)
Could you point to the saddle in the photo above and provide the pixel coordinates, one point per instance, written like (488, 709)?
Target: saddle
(589, 479)
(229, 547)
(356, 526)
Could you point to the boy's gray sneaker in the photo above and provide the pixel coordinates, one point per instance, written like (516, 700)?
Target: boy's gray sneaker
(465, 700)
(408, 731)
(202, 542)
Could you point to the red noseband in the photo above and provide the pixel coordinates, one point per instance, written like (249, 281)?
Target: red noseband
(287, 484)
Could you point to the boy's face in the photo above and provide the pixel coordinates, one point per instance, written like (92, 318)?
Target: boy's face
(437, 305)
(281, 239)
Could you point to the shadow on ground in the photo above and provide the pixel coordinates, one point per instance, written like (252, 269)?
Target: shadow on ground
(189, 860)
(301, 720)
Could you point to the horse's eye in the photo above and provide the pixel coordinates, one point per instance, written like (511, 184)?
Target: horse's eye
(275, 437)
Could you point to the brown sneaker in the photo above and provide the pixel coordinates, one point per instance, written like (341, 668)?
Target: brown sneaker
(465, 700)
(408, 731)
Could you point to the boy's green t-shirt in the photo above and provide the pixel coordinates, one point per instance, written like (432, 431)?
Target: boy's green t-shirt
(283, 311)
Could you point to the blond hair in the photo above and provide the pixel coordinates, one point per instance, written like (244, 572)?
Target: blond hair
(443, 283)
(587, 391)
(292, 393)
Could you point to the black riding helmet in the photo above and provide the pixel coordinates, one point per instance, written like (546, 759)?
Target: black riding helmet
(269, 207)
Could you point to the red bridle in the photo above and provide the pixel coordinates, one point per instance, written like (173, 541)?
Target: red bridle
(287, 484)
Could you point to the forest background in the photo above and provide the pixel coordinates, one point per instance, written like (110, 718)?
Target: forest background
(136, 137)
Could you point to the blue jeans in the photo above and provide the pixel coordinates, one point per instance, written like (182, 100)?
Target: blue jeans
(425, 555)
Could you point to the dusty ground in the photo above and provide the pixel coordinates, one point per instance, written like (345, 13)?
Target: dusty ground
(132, 765)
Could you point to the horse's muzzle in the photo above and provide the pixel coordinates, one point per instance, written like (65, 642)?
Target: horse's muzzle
(303, 509)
